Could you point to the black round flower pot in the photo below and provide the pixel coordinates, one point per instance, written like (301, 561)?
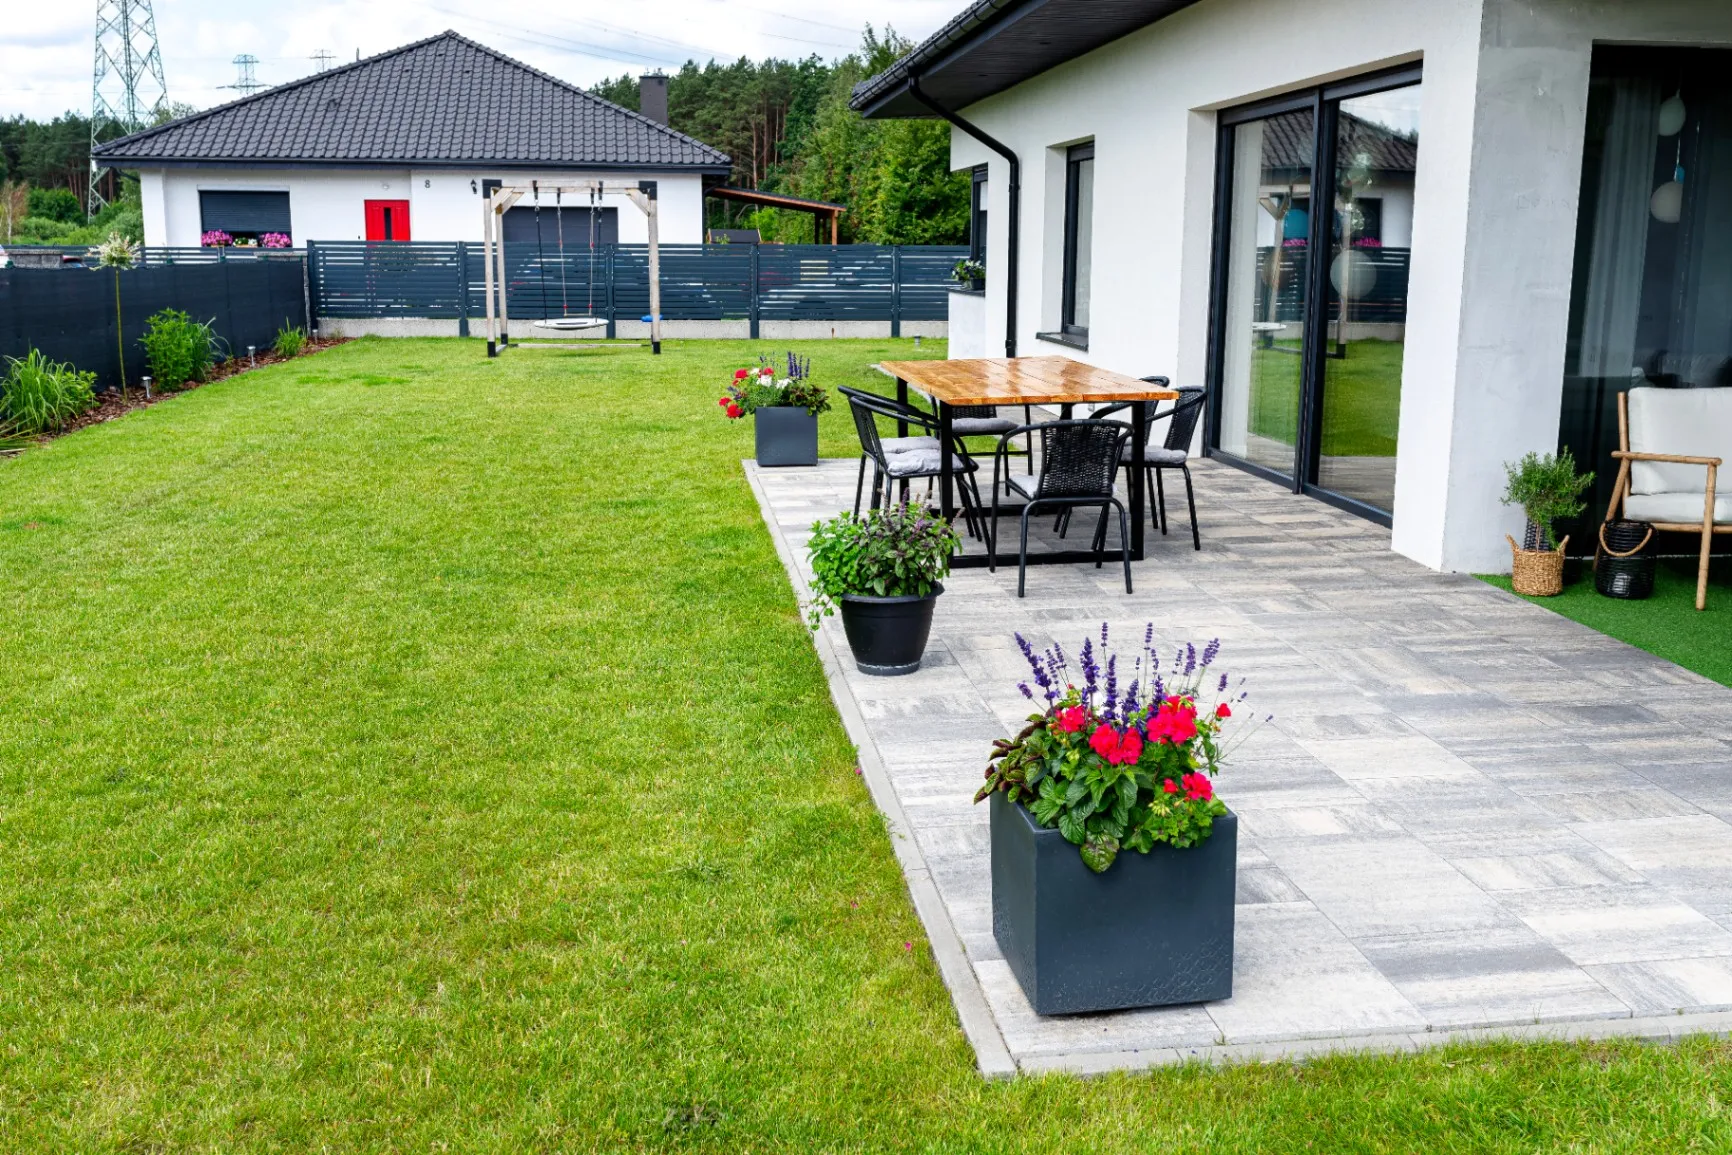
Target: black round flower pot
(888, 635)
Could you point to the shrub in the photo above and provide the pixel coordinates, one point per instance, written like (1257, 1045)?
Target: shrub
(1547, 488)
(39, 395)
(176, 348)
(899, 552)
(55, 204)
(290, 341)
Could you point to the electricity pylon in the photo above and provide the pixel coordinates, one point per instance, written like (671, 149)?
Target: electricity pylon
(128, 91)
(246, 80)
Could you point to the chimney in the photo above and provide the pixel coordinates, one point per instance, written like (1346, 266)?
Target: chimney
(652, 96)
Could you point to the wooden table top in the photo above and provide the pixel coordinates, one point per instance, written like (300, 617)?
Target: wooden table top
(1022, 381)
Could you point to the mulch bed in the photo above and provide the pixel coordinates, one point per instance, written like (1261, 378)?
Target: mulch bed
(110, 405)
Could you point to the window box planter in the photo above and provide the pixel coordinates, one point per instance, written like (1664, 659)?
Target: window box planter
(786, 435)
(1154, 930)
(888, 635)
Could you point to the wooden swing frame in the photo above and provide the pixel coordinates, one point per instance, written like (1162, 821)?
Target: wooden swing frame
(642, 194)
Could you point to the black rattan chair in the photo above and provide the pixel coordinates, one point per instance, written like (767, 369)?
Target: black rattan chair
(1078, 467)
(984, 421)
(904, 459)
(1173, 452)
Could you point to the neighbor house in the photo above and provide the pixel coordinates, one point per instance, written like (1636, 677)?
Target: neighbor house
(1284, 201)
(403, 145)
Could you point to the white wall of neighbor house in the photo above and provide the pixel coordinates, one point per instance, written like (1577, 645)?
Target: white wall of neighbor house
(444, 204)
(1493, 220)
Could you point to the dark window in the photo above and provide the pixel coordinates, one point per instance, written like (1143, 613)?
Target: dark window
(1079, 216)
(567, 225)
(977, 216)
(244, 215)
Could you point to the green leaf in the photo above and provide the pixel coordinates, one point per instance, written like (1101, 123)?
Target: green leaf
(1099, 853)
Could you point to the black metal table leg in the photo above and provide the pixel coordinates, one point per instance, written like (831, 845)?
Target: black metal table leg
(1139, 466)
(902, 400)
(946, 460)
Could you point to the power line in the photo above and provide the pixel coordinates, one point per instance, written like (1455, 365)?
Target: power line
(322, 59)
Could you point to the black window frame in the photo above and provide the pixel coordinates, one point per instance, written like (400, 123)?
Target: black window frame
(1074, 157)
(977, 218)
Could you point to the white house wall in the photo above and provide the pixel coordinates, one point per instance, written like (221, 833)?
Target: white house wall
(1493, 219)
(444, 204)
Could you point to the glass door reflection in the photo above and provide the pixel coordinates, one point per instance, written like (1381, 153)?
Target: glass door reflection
(1268, 240)
(1374, 155)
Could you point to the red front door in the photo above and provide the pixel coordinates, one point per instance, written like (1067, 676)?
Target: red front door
(387, 220)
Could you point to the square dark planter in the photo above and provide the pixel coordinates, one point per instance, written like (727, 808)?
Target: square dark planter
(786, 435)
(1154, 930)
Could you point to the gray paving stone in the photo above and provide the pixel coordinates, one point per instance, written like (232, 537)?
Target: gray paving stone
(1469, 813)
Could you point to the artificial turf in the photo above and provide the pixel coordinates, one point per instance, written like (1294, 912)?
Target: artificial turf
(1667, 623)
(402, 751)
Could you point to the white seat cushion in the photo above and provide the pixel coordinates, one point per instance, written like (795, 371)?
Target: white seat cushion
(1685, 422)
(1679, 508)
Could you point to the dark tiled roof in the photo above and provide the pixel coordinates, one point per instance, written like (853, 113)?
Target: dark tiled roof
(1287, 144)
(444, 100)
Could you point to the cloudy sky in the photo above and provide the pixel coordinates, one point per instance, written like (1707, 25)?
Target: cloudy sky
(46, 48)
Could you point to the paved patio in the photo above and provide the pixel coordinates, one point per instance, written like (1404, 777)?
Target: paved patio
(1469, 816)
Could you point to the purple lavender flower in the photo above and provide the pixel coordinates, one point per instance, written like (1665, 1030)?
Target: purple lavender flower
(1041, 678)
(1190, 659)
(1091, 671)
(1112, 700)
(1026, 692)
(1130, 700)
(1222, 688)
(1211, 650)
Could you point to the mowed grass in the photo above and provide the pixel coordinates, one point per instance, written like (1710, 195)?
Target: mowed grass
(1667, 623)
(405, 752)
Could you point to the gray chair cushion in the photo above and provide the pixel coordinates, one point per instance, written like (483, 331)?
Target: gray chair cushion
(982, 426)
(1155, 455)
(918, 462)
(907, 444)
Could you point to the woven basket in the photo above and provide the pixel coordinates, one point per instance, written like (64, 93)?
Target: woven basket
(1537, 573)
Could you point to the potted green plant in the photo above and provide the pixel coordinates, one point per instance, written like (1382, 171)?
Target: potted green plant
(1113, 863)
(784, 410)
(1547, 487)
(970, 274)
(884, 572)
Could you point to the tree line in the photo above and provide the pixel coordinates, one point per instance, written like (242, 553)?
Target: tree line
(788, 128)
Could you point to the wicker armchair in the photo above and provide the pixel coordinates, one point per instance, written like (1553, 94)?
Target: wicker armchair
(1079, 465)
(1666, 439)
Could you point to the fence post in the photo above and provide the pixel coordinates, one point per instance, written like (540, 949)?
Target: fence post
(896, 290)
(463, 288)
(754, 313)
(307, 289)
(612, 251)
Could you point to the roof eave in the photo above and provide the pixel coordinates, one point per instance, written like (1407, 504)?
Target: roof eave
(706, 168)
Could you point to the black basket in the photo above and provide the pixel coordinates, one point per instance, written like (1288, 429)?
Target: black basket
(1623, 567)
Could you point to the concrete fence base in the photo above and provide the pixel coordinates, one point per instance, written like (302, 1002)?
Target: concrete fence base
(630, 330)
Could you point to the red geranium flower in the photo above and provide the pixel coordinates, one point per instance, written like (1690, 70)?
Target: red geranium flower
(1170, 786)
(742, 374)
(1175, 721)
(1071, 718)
(1130, 747)
(1198, 787)
(733, 411)
(1223, 711)
(1104, 741)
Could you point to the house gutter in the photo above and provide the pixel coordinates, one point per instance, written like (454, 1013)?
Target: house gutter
(1015, 191)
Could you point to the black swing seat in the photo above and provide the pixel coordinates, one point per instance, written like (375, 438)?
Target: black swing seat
(571, 322)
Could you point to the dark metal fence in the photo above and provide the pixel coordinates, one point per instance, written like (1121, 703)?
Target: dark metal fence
(1385, 301)
(78, 256)
(751, 283)
(69, 314)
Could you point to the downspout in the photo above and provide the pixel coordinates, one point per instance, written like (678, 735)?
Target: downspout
(1015, 191)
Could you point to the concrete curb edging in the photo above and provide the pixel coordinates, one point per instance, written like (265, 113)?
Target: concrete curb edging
(991, 1055)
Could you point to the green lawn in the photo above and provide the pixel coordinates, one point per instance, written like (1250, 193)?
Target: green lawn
(1668, 623)
(1362, 397)
(401, 751)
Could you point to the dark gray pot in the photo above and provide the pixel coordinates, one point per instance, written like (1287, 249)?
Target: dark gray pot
(888, 635)
(786, 435)
(1154, 930)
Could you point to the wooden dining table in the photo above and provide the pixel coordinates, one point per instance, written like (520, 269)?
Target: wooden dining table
(1046, 381)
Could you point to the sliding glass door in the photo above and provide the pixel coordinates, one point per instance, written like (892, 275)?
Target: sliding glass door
(1310, 306)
